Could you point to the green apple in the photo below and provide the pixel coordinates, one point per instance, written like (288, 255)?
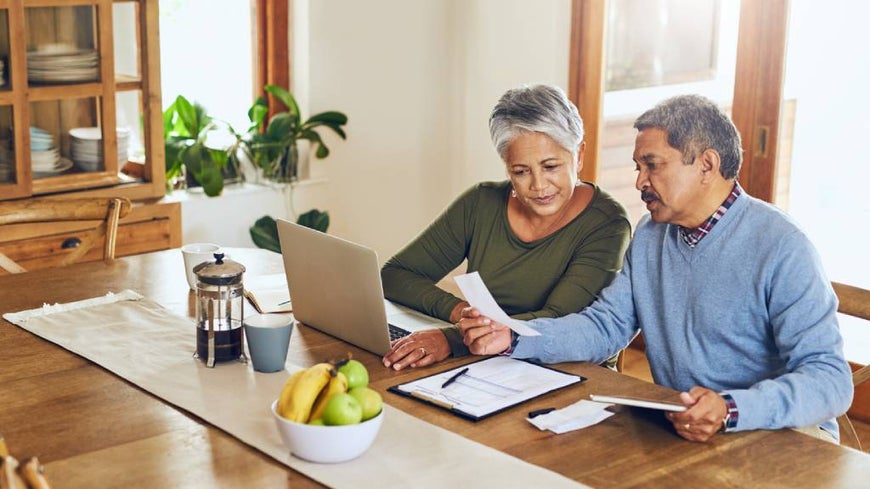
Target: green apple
(369, 399)
(356, 373)
(317, 422)
(341, 409)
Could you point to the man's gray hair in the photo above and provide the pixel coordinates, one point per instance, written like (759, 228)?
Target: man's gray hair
(693, 124)
(536, 108)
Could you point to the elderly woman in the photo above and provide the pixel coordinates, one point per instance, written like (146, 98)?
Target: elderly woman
(544, 242)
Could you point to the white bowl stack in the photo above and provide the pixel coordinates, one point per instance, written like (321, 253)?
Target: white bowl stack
(86, 147)
(45, 158)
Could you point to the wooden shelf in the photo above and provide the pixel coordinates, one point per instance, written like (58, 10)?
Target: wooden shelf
(59, 107)
(40, 93)
(125, 83)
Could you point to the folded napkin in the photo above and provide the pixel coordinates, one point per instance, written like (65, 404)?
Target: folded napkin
(573, 417)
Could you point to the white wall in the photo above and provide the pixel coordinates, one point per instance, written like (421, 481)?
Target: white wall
(417, 79)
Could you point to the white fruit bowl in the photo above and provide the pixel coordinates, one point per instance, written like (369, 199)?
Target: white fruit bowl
(327, 444)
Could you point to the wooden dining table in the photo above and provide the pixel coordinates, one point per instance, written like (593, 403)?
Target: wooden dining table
(93, 429)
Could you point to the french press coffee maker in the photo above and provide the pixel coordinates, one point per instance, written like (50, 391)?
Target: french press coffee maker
(220, 298)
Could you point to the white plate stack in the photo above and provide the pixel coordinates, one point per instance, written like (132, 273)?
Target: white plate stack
(45, 158)
(62, 63)
(86, 147)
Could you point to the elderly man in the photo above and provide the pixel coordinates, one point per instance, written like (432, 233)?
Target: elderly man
(735, 308)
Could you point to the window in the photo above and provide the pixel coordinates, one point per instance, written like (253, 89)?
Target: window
(207, 55)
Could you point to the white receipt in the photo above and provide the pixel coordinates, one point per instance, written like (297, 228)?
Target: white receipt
(478, 296)
(579, 415)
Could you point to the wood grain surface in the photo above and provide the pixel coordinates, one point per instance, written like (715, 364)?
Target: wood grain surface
(93, 429)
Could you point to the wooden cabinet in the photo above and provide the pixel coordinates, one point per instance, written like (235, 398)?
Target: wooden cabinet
(149, 226)
(80, 109)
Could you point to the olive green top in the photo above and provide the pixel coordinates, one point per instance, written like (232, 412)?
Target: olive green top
(549, 277)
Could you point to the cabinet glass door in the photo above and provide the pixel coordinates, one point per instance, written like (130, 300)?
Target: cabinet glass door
(7, 147)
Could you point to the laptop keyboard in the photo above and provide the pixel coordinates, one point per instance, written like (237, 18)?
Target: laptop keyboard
(397, 332)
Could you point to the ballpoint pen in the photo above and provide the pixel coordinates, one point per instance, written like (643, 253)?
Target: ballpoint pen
(454, 377)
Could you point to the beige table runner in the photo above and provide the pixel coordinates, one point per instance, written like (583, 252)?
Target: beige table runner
(152, 347)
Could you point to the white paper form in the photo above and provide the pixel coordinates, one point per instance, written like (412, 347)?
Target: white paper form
(480, 298)
(488, 386)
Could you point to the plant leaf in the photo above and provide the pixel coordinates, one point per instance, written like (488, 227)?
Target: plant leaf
(212, 180)
(329, 117)
(314, 137)
(168, 116)
(287, 99)
(257, 114)
(264, 234)
(315, 219)
(207, 172)
(186, 116)
(281, 127)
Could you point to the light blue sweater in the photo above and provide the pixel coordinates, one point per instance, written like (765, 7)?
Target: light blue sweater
(748, 311)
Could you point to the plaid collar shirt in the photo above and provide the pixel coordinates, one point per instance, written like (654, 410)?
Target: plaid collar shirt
(693, 236)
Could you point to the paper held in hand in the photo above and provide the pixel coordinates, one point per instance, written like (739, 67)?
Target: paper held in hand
(479, 297)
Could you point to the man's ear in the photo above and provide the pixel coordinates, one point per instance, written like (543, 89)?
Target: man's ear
(709, 162)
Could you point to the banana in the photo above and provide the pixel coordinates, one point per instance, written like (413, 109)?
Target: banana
(336, 384)
(33, 474)
(305, 391)
(287, 391)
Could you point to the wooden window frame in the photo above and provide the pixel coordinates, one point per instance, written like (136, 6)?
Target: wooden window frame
(273, 48)
(757, 97)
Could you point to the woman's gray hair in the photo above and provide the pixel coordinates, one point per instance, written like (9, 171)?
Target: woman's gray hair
(535, 108)
(693, 124)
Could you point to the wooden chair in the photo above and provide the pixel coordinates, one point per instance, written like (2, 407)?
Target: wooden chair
(107, 210)
(854, 301)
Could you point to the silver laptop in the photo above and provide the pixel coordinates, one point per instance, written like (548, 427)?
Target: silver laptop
(335, 286)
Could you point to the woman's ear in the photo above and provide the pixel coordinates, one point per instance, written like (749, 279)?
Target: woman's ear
(581, 150)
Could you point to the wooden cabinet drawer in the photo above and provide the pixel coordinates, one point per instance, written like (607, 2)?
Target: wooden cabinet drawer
(147, 228)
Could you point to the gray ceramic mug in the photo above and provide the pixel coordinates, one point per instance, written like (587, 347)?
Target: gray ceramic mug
(268, 337)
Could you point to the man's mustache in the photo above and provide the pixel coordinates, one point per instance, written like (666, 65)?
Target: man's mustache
(647, 196)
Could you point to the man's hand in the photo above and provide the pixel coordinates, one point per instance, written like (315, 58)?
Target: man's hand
(482, 335)
(704, 416)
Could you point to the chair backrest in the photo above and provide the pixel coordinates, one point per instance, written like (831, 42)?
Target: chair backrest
(107, 210)
(854, 301)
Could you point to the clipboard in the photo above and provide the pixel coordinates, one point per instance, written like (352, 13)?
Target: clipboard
(488, 387)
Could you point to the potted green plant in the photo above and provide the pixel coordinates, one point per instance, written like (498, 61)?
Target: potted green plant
(272, 145)
(272, 148)
(186, 128)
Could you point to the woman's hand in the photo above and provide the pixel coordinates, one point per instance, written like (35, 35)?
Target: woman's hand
(418, 350)
(482, 335)
(704, 416)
